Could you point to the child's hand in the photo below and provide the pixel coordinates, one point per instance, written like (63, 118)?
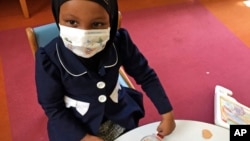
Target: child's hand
(167, 125)
(89, 137)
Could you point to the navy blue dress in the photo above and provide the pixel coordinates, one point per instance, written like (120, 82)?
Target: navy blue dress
(61, 74)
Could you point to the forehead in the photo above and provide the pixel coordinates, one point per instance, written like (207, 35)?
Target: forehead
(82, 7)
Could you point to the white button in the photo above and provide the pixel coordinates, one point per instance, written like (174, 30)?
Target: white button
(102, 98)
(101, 85)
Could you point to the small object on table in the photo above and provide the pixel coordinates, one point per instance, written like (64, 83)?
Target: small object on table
(206, 134)
(152, 137)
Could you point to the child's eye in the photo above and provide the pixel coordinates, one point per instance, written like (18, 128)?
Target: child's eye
(72, 23)
(98, 25)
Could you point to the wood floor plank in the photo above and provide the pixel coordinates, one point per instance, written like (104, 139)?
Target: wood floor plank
(234, 14)
(4, 122)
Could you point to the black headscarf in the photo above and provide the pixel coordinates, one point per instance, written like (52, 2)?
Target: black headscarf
(110, 6)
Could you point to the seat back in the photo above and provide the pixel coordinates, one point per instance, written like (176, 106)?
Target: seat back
(44, 30)
(41, 35)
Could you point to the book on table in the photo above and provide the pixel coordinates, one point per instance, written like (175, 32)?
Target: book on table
(228, 110)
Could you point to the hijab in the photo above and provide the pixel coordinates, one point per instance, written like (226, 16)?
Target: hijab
(109, 5)
(112, 9)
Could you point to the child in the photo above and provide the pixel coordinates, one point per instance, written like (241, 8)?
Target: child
(77, 76)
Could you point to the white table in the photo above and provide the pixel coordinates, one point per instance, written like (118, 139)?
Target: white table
(186, 130)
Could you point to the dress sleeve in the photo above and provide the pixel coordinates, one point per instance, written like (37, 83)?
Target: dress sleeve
(136, 65)
(62, 126)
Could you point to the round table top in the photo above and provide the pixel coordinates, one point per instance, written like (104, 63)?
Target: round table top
(186, 130)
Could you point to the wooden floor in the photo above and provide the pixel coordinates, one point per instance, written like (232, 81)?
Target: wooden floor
(40, 11)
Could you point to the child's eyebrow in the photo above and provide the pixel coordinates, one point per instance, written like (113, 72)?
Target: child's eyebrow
(99, 18)
(69, 16)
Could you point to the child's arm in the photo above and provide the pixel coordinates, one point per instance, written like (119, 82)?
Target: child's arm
(167, 124)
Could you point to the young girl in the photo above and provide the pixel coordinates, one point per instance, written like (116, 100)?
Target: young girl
(77, 76)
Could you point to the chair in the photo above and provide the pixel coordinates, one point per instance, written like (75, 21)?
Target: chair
(24, 8)
(41, 35)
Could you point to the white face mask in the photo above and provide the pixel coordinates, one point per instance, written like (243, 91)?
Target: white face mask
(84, 43)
